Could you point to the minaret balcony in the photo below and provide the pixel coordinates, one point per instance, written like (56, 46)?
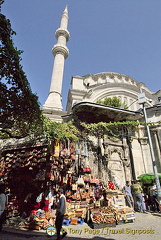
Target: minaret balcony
(62, 32)
(60, 49)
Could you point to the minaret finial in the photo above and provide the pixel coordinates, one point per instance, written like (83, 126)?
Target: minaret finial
(66, 9)
(64, 18)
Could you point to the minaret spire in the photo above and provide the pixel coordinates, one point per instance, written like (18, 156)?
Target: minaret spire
(60, 51)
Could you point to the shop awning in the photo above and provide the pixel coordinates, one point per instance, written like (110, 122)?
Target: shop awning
(94, 113)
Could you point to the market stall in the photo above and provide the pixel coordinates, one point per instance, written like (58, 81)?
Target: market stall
(89, 199)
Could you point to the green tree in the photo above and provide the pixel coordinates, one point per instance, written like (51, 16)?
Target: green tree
(57, 130)
(20, 110)
(113, 102)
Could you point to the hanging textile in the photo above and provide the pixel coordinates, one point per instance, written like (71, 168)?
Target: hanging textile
(57, 148)
(64, 152)
(74, 187)
(78, 148)
(85, 149)
(86, 179)
(72, 150)
(87, 169)
(111, 185)
(41, 175)
(52, 146)
(80, 182)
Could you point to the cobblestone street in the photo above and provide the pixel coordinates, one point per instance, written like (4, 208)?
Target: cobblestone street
(146, 226)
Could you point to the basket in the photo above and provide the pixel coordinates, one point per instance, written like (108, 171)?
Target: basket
(111, 224)
(103, 225)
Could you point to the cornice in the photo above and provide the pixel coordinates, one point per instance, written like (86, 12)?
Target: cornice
(77, 92)
(112, 77)
(119, 88)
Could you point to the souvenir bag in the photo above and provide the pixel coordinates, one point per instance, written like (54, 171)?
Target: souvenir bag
(74, 197)
(80, 182)
(92, 180)
(97, 181)
(72, 151)
(67, 149)
(64, 150)
(52, 176)
(77, 196)
(87, 169)
(68, 193)
(74, 187)
(86, 179)
(48, 172)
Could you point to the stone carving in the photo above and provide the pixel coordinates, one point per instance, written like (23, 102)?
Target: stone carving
(109, 77)
(103, 76)
(143, 141)
(89, 93)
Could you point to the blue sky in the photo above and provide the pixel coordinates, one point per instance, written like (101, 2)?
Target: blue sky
(122, 36)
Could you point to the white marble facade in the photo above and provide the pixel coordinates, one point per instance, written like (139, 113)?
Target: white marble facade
(130, 158)
(91, 88)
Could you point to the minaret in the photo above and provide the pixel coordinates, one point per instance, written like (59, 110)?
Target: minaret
(53, 105)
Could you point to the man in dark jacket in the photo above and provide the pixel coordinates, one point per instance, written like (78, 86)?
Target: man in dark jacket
(60, 211)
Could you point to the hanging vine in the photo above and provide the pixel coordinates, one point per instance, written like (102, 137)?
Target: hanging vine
(103, 128)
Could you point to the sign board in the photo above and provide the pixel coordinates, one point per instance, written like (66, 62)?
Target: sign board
(141, 98)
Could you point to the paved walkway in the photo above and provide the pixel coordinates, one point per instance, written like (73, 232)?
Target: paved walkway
(146, 226)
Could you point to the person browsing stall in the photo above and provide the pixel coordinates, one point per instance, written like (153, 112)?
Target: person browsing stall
(60, 211)
(128, 195)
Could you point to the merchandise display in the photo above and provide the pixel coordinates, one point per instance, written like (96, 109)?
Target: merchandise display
(88, 198)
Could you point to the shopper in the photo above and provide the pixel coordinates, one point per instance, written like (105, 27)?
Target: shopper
(60, 211)
(153, 198)
(3, 203)
(137, 191)
(128, 195)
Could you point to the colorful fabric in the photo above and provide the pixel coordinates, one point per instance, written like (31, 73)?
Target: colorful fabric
(111, 185)
(46, 207)
(57, 149)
